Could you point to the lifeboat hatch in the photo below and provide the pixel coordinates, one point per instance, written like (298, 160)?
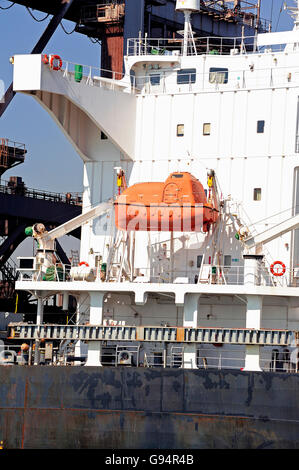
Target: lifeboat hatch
(171, 193)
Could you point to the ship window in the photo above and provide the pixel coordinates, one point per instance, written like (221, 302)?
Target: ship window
(186, 76)
(155, 79)
(206, 128)
(180, 130)
(218, 75)
(227, 260)
(257, 194)
(260, 127)
(177, 176)
(103, 136)
(199, 260)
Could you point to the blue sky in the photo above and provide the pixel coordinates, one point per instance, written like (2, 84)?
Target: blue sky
(51, 163)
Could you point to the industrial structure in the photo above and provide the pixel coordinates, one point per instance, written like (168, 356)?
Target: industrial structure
(20, 206)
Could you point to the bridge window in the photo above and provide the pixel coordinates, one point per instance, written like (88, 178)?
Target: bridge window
(207, 128)
(199, 261)
(186, 76)
(180, 130)
(103, 136)
(257, 194)
(227, 260)
(155, 79)
(218, 75)
(260, 127)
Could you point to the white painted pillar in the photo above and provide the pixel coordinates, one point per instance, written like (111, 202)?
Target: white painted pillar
(252, 272)
(40, 311)
(95, 318)
(39, 321)
(82, 316)
(190, 321)
(253, 320)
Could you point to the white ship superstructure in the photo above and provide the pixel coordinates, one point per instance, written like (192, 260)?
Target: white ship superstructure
(183, 106)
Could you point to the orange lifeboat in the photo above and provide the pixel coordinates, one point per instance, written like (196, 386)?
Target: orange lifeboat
(177, 205)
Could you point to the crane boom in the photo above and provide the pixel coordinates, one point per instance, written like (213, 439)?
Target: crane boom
(97, 211)
(273, 232)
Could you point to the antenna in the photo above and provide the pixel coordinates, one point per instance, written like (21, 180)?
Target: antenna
(188, 7)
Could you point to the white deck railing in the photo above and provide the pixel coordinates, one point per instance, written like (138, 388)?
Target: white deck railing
(167, 81)
(207, 274)
(202, 45)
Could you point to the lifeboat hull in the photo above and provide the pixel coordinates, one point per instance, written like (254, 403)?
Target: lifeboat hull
(134, 217)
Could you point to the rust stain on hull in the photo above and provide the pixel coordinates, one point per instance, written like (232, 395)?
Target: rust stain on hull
(136, 408)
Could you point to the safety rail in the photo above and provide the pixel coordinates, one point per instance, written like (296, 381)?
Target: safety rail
(246, 13)
(207, 274)
(169, 81)
(15, 149)
(198, 46)
(91, 75)
(8, 187)
(225, 361)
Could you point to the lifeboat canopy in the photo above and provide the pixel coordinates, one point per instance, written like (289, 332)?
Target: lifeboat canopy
(178, 205)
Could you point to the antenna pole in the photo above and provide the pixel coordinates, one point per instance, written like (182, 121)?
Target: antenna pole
(258, 16)
(187, 31)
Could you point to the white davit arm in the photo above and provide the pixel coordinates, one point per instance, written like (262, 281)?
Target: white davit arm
(77, 222)
(272, 233)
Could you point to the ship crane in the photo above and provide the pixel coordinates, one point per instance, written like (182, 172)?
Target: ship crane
(254, 243)
(45, 237)
(45, 257)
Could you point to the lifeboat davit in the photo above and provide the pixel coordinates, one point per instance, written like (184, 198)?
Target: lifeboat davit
(177, 205)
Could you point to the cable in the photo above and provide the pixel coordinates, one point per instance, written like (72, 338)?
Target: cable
(272, 13)
(94, 40)
(67, 32)
(7, 8)
(279, 15)
(36, 19)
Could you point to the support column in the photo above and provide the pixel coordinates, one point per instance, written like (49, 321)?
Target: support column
(253, 320)
(95, 318)
(39, 321)
(252, 271)
(190, 321)
(83, 303)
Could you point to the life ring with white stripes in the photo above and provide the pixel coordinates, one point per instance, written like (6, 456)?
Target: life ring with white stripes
(83, 263)
(45, 59)
(58, 60)
(275, 271)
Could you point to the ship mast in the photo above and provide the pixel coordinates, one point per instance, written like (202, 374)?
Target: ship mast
(188, 7)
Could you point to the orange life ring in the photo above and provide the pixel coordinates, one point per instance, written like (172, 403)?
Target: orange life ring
(59, 65)
(83, 263)
(45, 59)
(276, 273)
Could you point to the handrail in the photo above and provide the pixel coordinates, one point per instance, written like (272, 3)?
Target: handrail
(69, 198)
(222, 45)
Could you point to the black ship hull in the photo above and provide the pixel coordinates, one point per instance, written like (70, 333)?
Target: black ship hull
(136, 408)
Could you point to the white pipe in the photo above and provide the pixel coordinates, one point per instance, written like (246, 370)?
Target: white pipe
(186, 32)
